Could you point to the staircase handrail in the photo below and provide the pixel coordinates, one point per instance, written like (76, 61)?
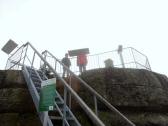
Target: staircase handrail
(89, 112)
(44, 118)
(83, 105)
(111, 107)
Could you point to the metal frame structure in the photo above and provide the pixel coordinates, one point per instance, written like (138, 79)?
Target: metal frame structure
(127, 58)
(22, 61)
(90, 89)
(44, 118)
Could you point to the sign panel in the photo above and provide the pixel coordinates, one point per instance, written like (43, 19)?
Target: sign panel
(47, 95)
(9, 46)
(78, 51)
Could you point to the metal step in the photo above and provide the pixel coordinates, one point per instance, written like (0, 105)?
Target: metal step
(37, 84)
(57, 114)
(44, 118)
(36, 79)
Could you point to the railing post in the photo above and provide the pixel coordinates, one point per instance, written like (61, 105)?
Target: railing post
(61, 70)
(45, 119)
(147, 62)
(64, 110)
(55, 65)
(134, 58)
(120, 49)
(20, 57)
(33, 59)
(98, 61)
(32, 64)
(7, 63)
(70, 84)
(95, 103)
(25, 54)
(45, 57)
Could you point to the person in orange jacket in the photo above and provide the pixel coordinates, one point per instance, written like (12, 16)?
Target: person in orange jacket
(82, 62)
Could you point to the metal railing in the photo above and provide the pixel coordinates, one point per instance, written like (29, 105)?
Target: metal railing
(29, 56)
(44, 118)
(57, 64)
(25, 56)
(132, 58)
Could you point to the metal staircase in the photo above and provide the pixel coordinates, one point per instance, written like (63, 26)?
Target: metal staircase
(61, 113)
(96, 96)
(34, 78)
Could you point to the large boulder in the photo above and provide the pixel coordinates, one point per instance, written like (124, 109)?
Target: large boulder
(129, 87)
(16, 100)
(139, 92)
(16, 105)
(17, 119)
(12, 79)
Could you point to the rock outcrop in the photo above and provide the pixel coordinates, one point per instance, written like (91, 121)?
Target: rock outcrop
(140, 94)
(16, 105)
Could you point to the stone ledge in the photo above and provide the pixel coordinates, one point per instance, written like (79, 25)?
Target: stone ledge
(16, 119)
(16, 100)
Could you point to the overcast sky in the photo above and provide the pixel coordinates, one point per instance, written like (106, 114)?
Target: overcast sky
(101, 25)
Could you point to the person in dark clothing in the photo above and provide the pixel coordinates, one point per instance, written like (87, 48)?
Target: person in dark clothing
(66, 61)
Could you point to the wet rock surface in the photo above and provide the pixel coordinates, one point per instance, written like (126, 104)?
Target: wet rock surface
(16, 105)
(141, 93)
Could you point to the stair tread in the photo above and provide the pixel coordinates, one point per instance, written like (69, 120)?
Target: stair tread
(54, 115)
(60, 118)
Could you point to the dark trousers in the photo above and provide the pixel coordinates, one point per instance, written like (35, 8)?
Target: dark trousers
(82, 68)
(65, 72)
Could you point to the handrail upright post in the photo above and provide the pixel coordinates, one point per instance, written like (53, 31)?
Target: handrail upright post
(20, 57)
(65, 100)
(134, 58)
(6, 63)
(70, 83)
(32, 64)
(95, 103)
(120, 49)
(149, 67)
(98, 61)
(45, 57)
(61, 71)
(55, 65)
(33, 59)
(25, 54)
